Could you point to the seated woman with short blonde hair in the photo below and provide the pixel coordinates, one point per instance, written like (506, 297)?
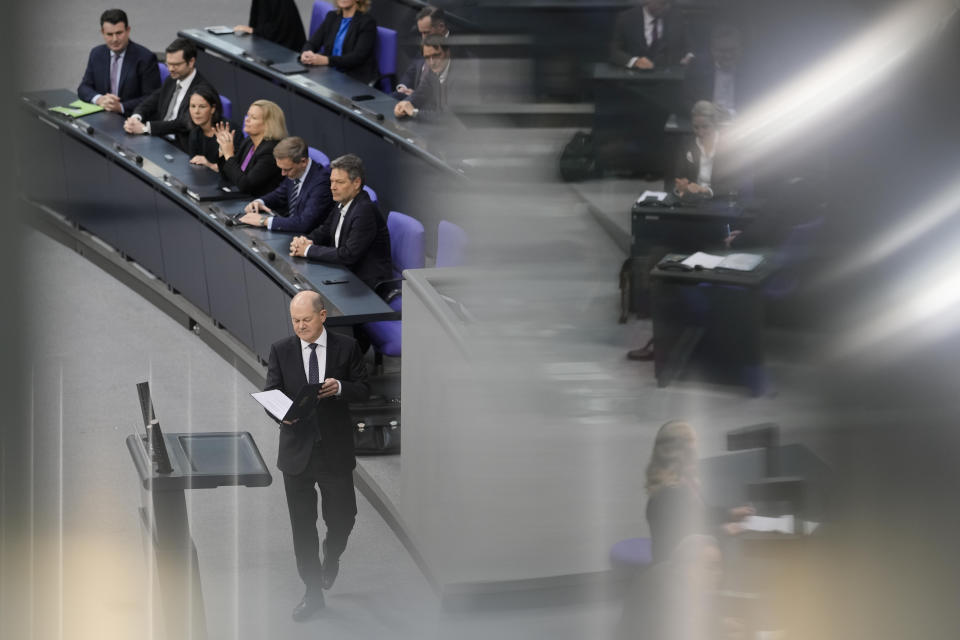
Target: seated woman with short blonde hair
(248, 164)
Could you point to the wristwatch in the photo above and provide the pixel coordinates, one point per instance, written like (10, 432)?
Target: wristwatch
(263, 221)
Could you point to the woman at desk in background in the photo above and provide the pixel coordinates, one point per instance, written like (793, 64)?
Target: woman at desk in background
(206, 111)
(250, 166)
(277, 21)
(700, 169)
(345, 41)
(675, 507)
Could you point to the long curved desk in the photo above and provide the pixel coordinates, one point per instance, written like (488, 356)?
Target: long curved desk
(338, 114)
(140, 196)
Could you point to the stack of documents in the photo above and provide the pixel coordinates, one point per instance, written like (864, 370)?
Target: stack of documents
(732, 262)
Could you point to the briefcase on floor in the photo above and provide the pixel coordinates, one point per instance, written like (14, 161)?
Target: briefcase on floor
(376, 426)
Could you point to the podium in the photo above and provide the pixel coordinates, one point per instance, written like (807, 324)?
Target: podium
(196, 461)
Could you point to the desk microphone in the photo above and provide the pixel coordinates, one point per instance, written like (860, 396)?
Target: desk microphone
(266, 251)
(264, 61)
(367, 112)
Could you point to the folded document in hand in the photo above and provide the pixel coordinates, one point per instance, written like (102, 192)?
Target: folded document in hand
(283, 408)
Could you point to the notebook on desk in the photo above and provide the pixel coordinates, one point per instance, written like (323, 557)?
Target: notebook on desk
(219, 30)
(288, 68)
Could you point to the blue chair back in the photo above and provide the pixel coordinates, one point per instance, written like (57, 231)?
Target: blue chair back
(386, 52)
(370, 192)
(319, 157)
(406, 242)
(164, 72)
(451, 244)
(227, 107)
(319, 12)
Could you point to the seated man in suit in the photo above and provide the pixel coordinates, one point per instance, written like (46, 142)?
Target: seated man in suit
(164, 112)
(432, 21)
(649, 36)
(120, 73)
(303, 197)
(318, 451)
(438, 81)
(356, 236)
(718, 77)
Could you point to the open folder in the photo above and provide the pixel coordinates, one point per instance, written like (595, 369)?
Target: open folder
(283, 408)
(78, 109)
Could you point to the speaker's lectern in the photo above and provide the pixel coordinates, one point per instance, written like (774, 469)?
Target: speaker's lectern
(168, 465)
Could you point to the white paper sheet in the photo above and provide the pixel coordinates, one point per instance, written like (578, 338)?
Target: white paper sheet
(658, 195)
(705, 260)
(274, 401)
(783, 524)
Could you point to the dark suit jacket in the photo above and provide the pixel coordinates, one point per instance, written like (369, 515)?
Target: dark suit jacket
(629, 39)
(313, 206)
(722, 181)
(358, 59)
(332, 418)
(698, 83)
(262, 174)
(139, 75)
(364, 241)
(411, 77)
(154, 107)
(460, 87)
(278, 21)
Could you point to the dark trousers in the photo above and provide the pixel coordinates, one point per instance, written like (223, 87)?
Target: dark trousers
(339, 509)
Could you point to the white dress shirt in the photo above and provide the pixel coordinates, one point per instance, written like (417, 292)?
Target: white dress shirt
(706, 163)
(321, 343)
(343, 214)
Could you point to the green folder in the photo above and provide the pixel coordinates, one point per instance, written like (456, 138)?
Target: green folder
(77, 109)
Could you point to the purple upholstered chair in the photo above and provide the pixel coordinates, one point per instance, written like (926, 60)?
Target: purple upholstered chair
(319, 12)
(407, 252)
(319, 157)
(386, 52)
(451, 244)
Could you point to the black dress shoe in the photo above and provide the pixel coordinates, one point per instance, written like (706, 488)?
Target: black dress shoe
(331, 567)
(311, 603)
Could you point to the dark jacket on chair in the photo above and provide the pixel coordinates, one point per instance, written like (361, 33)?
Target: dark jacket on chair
(358, 59)
(364, 241)
(139, 75)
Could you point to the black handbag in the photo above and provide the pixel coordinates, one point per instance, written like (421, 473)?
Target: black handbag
(376, 426)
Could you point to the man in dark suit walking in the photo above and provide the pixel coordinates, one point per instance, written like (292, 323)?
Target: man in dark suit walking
(164, 112)
(355, 235)
(318, 451)
(120, 73)
(303, 199)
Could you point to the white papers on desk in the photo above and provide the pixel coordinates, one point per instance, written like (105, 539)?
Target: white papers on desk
(274, 401)
(659, 196)
(783, 524)
(703, 260)
(732, 262)
(741, 261)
